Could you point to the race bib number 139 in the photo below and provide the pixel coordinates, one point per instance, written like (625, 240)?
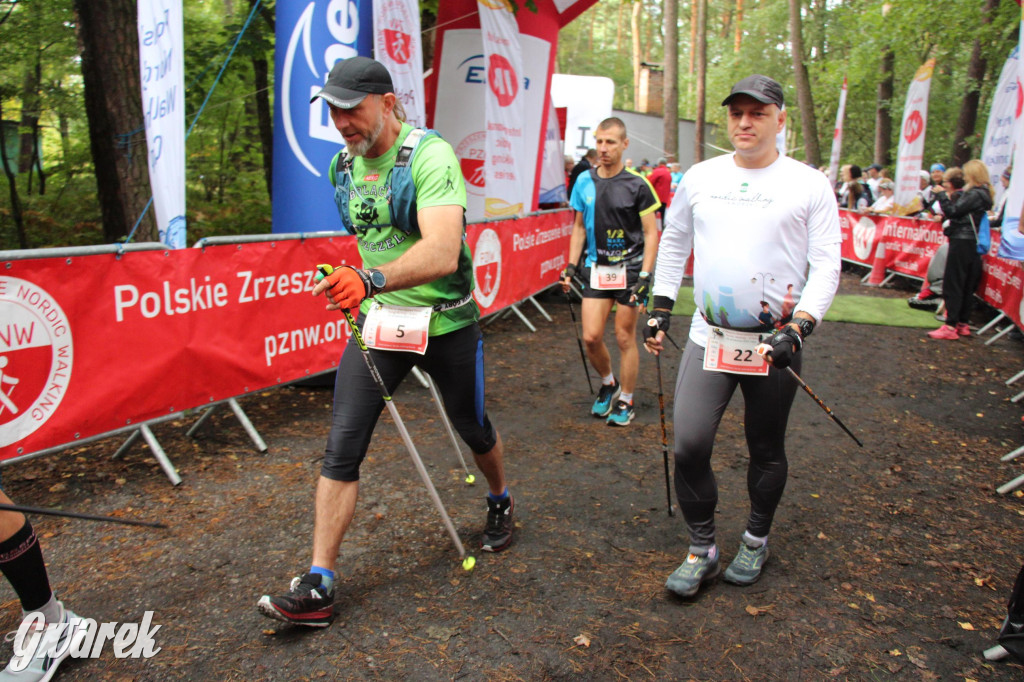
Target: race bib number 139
(395, 327)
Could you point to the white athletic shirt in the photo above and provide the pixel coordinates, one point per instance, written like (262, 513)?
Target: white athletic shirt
(767, 234)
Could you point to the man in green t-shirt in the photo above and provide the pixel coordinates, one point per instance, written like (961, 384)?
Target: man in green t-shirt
(416, 308)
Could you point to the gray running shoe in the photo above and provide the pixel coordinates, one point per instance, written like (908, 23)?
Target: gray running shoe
(745, 569)
(695, 571)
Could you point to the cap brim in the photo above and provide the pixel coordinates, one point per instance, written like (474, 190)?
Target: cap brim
(760, 97)
(339, 97)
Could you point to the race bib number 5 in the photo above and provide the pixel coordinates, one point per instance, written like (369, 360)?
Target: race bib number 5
(734, 352)
(608, 277)
(395, 327)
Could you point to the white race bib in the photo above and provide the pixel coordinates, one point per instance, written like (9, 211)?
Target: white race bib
(396, 327)
(734, 352)
(608, 277)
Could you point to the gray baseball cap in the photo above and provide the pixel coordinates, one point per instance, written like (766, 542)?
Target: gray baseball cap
(351, 80)
(761, 88)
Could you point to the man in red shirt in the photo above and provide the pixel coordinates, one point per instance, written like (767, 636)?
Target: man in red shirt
(661, 179)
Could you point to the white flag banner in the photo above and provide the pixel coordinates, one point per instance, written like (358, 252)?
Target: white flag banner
(837, 137)
(997, 148)
(1015, 198)
(397, 45)
(911, 147)
(552, 170)
(505, 163)
(162, 67)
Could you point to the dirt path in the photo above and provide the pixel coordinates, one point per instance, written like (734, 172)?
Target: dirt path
(890, 562)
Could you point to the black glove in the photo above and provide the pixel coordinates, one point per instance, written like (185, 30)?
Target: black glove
(569, 272)
(785, 343)
(642, 289)
(661, 317)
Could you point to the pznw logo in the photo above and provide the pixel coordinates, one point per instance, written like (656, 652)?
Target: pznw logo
(487, 267)
(36, 356)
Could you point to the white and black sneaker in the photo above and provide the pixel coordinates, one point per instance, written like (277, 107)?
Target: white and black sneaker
(308, 603)
(498, 532)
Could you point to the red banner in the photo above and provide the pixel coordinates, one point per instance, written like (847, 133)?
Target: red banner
(93, 343)
(889, 243)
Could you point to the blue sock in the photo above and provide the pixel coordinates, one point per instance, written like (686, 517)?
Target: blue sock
(328, 575)
(499, 498)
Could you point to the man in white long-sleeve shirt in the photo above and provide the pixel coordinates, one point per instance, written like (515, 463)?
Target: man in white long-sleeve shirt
(764, 233)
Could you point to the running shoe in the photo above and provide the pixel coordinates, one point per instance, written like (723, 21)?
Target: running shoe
(745, 568)
(45, 647)
(944, 332)
(498, 532)
(622, 414)
(919, 303)
(695, 571)
(605, 399)
(963, 329)
(307, 603)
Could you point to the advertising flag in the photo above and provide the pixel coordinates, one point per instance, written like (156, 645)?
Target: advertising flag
(552, 171)
(1015, 193)
(397, 45)
(912, 132)
(311, 37)
(997, 148)
(505, 189)
(837, 137)
(162, 71)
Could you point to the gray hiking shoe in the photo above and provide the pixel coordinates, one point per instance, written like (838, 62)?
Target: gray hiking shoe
(745, 569)
(695, 571)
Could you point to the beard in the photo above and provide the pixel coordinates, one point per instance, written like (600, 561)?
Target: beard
(360, 148)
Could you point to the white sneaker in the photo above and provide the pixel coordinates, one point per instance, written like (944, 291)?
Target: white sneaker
(43, 647)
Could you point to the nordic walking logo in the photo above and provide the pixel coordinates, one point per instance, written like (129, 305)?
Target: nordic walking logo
(863, 238)
(81, 638)
(36, 357)
(487, 267)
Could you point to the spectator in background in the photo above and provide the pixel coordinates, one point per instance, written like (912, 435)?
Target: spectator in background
(677, 175)
(629, 164)
(852, 194)
(584, 165)
(937, 171)
(874, 178)
(995, 216)
(886, 202)
(964, 209)
(661, 179)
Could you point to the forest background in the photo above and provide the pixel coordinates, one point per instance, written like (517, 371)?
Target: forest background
(72, 143)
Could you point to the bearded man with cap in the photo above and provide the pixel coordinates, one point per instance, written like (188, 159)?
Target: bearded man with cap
(400, 190)
(760, 226)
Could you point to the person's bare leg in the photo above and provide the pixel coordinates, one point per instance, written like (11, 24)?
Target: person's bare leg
(491, 464)
(335, 507)
(625, 336)
(595, 315)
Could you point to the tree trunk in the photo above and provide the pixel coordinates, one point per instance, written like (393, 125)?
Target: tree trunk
(968, 117)
(803, 86)
(883, 109)
(12, 185)
(739, 26)
(635, 26)
(264, 117)
(702, 67)
(30, 102)
(671, 89)
(109, 41)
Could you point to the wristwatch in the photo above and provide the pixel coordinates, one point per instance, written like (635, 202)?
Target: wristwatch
(377, 281)
(804, 325)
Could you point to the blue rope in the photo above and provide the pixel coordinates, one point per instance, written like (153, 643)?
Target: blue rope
(213, 87)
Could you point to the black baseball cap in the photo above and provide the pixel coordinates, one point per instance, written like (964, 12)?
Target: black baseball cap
(761, 88)
(876, 166)
(351, 80)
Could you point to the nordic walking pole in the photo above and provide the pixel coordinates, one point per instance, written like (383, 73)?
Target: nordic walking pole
(579, 342)
(468, 561)
(763, 350)
(823, 406)
(470, 478)
(78, 515)
(664, 436)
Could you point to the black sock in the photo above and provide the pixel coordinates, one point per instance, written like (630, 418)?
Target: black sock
(21, 560)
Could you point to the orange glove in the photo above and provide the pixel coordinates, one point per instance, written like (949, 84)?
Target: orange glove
(349, 286)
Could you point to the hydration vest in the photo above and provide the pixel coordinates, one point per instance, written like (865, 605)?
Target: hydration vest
(400, 188)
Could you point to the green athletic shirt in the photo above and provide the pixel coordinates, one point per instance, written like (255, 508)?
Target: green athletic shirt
(438, 180)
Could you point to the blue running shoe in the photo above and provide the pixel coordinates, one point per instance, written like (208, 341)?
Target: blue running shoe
(622, 414)
(605, 399)
(745, 569)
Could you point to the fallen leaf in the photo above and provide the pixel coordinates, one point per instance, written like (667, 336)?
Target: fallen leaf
(895, 652)
(965, 626)
(581, 640)
(758, 610)
(822, 536)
